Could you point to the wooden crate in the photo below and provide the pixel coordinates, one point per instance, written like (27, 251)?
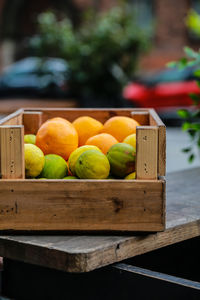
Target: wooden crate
(82, 205)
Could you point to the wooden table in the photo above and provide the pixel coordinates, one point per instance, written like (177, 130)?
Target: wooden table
(80, 253)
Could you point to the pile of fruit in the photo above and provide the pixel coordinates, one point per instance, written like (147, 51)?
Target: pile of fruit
(84, 149)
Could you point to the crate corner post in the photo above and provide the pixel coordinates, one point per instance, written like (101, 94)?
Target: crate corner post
(12, 151)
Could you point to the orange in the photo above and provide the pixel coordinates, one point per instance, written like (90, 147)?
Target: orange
(103, 141)
(87, 127)
(120, 127)
(57, 136)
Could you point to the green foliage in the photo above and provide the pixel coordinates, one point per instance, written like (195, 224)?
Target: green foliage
(193, 22)
(102, 52)
(192, 119)
(192, 123)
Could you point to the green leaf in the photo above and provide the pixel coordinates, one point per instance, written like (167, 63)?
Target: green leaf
(182, 63)
(186, 126)
(195, 126)
(197, 73)
(186, 150)
(183, 113)
(195, 98)
(198, 142)
(196, 114)
(172, 64)
(192, 133)
(198, 83)
(191, 158)
(190, 53)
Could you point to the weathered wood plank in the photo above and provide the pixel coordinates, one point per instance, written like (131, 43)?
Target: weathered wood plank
(156, 121)
(77, 253)
(146, 152)
(100, 114)
(141, 116)
(32, 120)
(82, 205)
(13, 119)
(12, 151)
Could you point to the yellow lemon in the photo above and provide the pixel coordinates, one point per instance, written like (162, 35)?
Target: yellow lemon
(75, 155)
(34, 160)
(131, 140)
(130, 176)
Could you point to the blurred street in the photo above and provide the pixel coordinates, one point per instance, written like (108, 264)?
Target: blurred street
(176, 159)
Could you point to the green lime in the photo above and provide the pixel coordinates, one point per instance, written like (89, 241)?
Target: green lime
(30, 139)
(34, 160)
(55, 167)
(75, 155)
(92, 164)
(70, 177)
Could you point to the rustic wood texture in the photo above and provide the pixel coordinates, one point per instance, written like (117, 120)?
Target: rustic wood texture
(82, 205)
(154, 120)
(75, 253)
(13, 119)
(32, 120)
(147, 152)
(12, 151)
(141, 116)
(100, 114)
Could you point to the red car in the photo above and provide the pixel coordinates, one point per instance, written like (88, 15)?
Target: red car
(169, 88)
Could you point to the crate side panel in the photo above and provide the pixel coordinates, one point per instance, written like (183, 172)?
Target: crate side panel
(32, 120)
(83, 205)
(156, 121)
(99, 114)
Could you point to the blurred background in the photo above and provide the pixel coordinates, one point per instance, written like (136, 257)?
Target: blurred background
(97, 53)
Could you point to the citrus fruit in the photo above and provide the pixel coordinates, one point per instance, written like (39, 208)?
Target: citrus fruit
(86, 127)
(92, 164)
(130, 176)
(69, 172)
(120, 127)
(29, 139)
(70, 177)
(75, 155)
(55, 167)
(103, 141)
(34, 160)
(122, 159)
(57, 136)
(131, 140)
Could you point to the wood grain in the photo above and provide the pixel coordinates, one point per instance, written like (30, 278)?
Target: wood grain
(141, 116)
(32, 120)
(13, 119)
(82, 205)
(12, 151)
(156, 121)
(146, 152)
(81, 253)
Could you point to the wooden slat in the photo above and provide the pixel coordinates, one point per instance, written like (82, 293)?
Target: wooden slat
(83, 253)
(156, 121)
(146, 152)
(12, 151)
(103, 205)
(141, 116)
(13, 119)
(71, 114)
(32, 120)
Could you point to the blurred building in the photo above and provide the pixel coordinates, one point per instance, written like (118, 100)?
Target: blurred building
(18, 21)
